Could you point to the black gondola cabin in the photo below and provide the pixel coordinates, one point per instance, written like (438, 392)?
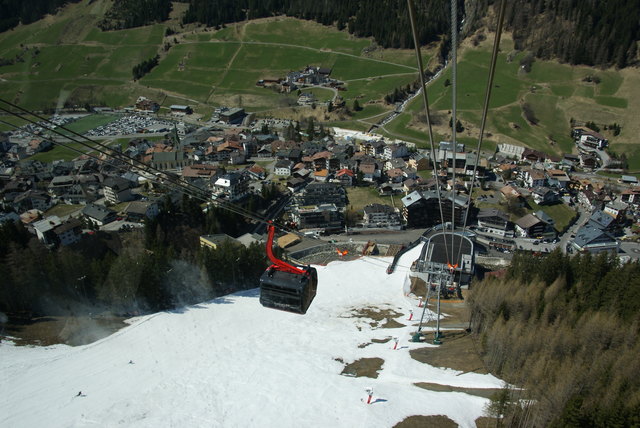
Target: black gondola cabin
(292, 292)
(285, 286)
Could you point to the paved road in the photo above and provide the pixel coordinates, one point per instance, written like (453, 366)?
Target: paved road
(382, 237)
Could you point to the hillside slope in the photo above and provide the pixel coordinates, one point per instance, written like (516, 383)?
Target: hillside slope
(231, 363)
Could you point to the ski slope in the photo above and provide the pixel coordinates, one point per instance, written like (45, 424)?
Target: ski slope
(232, 363)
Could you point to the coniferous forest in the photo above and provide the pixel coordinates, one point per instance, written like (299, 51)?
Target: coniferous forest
(564, 330)
(598, 33)
(157, 268)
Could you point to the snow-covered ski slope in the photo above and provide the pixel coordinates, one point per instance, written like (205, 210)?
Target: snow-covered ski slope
(233, 363)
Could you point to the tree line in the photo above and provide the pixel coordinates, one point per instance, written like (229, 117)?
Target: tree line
(156, 268)
(385, 20)
(565, 330)
(135, 13)
(14, 12)
(597, 33)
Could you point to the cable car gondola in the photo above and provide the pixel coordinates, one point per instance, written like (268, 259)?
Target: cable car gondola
(285, 286)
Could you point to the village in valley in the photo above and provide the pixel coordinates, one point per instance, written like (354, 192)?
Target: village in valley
(321, 181)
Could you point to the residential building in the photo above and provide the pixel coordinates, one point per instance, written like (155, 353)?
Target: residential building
(533, 226)
(283, 167)
(594, 240)
(45, 229)
(544, 196)
(117, 189)
(422, 209)
(378, 215)
(322, 193)
(323, 216)
(233, 185)
(98, 215)
(68, 232)
(137, 211)
(495, 222)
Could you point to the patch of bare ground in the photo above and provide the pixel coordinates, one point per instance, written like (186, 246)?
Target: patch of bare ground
(419, 421)
(381, 317)
(74, 331)
(364, 367)
(457, 352)
(391, 323)
(486, 422)
(385, 340)
(479, 392)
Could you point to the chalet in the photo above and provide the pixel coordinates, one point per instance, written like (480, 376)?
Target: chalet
(557, 178)
(45, 229)
(470, 166)
(495, 222)
(532, 226)
(395, 163)
(374, 148)
(264, 151)
(588, 161)
(294, 184)
(68, 232)
(98, 215)
(533, 155)
(388, 189)
(17, 152)
(233, 185)
(283, 167)
(512, 194)
(180, 110)
(117, 189)
(395, 175)
(257, 172)
(570, 160)
(32, 199)
(232, 116)
(533, 177)
(137, 211)
(589, 138)
(59, 185)
(370, 171)
(145, 105)
(420, 162)
(345, 177)
(544, 196)
(630, 196)
(590, 199)
(378, 215)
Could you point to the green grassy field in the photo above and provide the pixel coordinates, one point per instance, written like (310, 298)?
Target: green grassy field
(359, 197)
(66, 58)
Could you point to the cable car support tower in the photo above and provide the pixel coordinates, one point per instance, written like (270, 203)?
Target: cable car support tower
(447, 258)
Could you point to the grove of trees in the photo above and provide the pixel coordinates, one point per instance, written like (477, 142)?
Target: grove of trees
(564, 330)
(159, 267)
